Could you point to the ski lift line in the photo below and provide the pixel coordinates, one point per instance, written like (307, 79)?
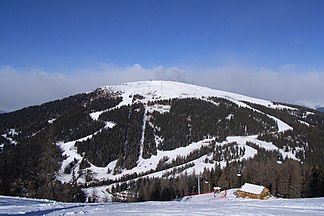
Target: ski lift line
(143, 133)
(161, 90)
(149, 87)
(127, 125)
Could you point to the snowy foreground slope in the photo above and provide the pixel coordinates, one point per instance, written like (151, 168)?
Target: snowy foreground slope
(198, 205)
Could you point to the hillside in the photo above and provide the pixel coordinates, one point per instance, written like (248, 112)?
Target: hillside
(153, 138)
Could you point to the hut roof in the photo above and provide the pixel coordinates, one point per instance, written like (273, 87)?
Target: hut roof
(251, 188)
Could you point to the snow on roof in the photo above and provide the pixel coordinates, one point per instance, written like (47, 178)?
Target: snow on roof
(251, 188)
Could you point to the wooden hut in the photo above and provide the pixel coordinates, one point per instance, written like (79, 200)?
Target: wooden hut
(253, 191)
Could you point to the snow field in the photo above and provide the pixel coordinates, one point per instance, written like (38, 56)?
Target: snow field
(204, 204)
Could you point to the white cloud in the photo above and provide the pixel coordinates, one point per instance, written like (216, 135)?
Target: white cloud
(286, 84)
(19, 88)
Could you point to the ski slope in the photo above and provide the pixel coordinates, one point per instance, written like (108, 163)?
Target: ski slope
(198, 205)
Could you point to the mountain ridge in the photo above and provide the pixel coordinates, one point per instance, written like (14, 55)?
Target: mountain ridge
(320, 109)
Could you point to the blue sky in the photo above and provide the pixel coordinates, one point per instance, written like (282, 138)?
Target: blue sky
(67, 42)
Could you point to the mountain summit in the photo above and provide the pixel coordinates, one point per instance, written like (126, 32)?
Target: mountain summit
(150, 140)
(154, 90)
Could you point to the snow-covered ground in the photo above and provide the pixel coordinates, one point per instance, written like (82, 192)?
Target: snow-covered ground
(158, 89)
(205, 204)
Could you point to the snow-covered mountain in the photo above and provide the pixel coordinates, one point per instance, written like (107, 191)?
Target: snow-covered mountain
(320, 109)
(112, 139)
